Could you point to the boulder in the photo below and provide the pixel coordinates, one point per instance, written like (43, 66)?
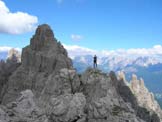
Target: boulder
(24, 109)
(67, 108)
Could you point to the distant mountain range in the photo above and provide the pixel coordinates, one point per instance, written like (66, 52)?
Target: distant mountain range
(116, 63)
(148, 68)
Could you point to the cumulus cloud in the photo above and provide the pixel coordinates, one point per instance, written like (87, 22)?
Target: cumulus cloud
(157, 47)
(6, 49)
(75, 50)
(15, 23)
(76, 37)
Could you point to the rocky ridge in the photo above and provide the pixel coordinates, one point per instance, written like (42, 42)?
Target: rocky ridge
(7, 68)
(44, 56)
(144, 98)
(46, 88)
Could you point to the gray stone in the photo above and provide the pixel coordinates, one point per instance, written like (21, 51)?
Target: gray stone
(23, 109)
(42, 58)
(67, 108)
(144, 97)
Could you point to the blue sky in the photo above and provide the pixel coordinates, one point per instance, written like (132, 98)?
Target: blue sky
(95, 24)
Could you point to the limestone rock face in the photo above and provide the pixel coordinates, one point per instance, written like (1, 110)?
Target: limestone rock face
(144, 97)
(42, 35)
(7, 68)
(45, 54)
(24, 109)
(104, 103)
(90, 97)
(95, 100)
(121, 76)
(67, 108)
(65, 82)
(42, 58)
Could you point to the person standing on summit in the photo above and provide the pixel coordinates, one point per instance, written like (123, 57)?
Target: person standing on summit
(95, 61)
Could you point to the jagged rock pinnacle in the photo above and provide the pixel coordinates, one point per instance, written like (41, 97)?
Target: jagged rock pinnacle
(44, 52)
(134, 77)
(44, 28)
(44, 36)
(121, 76)
(43, 57)
(144, 97)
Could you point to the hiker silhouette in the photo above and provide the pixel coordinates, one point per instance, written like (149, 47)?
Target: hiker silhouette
(95, 61)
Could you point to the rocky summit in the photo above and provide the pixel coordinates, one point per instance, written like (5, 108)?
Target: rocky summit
(43, 57)
(46, 88)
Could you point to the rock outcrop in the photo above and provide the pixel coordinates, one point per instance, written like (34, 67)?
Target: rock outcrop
(95, 101)
(67, 108)
(7, 68)
(64, 108)
(45, 53)
(24, 109)
(43, 57)
(104, 103)
(46, 88)
(14, 54)
(145, 98)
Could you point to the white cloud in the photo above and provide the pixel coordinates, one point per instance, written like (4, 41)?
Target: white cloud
(76, 37)
(15, 23)
(157, 46)
(75, 50)
(6, 48)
